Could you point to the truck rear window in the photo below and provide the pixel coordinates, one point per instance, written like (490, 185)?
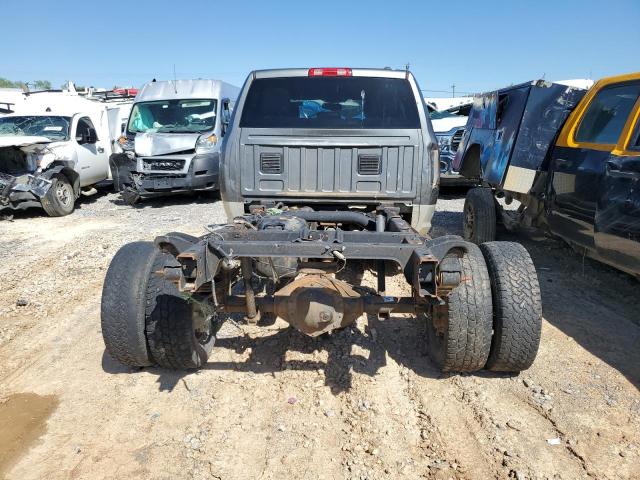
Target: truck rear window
(330, 102)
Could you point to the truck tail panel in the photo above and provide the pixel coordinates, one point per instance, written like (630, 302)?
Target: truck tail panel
(371, 166)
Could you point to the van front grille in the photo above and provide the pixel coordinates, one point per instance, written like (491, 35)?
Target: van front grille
(271, 163)
(369, 165)
(165, 164)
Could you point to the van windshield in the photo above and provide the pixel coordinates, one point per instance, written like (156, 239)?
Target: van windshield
(173, 116)
(330, 102)
(53, 127)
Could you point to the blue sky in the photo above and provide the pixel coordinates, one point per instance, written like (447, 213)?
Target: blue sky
(475, 45)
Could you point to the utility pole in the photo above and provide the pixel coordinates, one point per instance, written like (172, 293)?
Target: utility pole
(453, 90)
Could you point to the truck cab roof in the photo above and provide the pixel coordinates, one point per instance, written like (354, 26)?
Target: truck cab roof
(331, 72)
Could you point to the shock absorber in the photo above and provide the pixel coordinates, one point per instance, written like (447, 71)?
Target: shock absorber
(249, 294)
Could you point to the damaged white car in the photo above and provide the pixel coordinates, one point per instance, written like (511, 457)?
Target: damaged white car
(53, 146)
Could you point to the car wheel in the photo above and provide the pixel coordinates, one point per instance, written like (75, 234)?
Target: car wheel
(180, 336)
(459, 332)
(60, 199)
(479, 216)
(127, 300)
(517, 306)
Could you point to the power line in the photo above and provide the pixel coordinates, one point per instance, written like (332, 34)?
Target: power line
(446, 91)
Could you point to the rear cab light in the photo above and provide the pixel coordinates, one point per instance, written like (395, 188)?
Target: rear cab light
(329, 72)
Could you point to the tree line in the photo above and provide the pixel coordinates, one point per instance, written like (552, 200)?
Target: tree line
(25, 86)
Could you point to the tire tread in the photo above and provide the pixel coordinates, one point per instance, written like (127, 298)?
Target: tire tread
(467, 340)
(517, 306)
(121, 316)
(481, 201)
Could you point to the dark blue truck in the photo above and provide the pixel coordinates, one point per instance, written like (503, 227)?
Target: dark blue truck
(570, 157)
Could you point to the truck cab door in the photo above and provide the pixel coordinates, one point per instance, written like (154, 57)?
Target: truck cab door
(617, 235)
(92, 157)
(579, 160)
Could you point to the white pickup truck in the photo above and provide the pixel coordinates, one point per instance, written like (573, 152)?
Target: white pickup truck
(53, 145)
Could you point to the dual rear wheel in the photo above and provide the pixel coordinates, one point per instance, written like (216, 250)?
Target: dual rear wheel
(493, 318)
(145, 321)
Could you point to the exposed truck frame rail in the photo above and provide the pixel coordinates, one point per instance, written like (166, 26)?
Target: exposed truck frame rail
(201, 261)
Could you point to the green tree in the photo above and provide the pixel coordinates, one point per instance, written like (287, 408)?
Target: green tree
(42, 85)
(6, 83)
(35, 85)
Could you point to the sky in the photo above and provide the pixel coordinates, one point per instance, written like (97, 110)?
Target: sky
(476, 46)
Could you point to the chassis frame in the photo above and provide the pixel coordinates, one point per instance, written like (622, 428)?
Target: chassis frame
(206, 266)
(286, 263)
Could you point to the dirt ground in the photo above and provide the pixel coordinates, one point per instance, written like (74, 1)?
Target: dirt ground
(364, 403)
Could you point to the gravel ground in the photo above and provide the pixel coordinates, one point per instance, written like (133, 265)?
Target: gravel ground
(364, 403)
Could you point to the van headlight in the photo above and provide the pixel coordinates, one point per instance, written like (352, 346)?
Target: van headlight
(206, 143)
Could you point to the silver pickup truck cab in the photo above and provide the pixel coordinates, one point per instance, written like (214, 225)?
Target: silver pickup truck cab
(172, 140)
(352, 138)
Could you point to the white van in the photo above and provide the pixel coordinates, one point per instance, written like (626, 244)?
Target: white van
(173, 137)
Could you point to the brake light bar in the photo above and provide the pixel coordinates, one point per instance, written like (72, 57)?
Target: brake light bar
(329, 72)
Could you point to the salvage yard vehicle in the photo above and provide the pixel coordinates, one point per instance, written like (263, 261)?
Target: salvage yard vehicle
(172, 139)
(52, 145)
(449, 129)
(323, 170)
(8, 98)
(571, 157)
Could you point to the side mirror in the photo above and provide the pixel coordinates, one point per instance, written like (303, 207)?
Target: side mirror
(225, 116)
(88, 136)
(225, 122)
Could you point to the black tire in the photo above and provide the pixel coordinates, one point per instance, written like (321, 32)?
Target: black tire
(60, 199)
(179, 335)
(479, 216)
(124, 303)
(517, 306)
(459, 332)
(145, 320)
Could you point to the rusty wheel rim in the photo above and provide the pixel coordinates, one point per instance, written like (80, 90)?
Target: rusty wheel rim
(202, 327)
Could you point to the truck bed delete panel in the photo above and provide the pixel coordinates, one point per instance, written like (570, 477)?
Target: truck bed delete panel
(362, 166)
